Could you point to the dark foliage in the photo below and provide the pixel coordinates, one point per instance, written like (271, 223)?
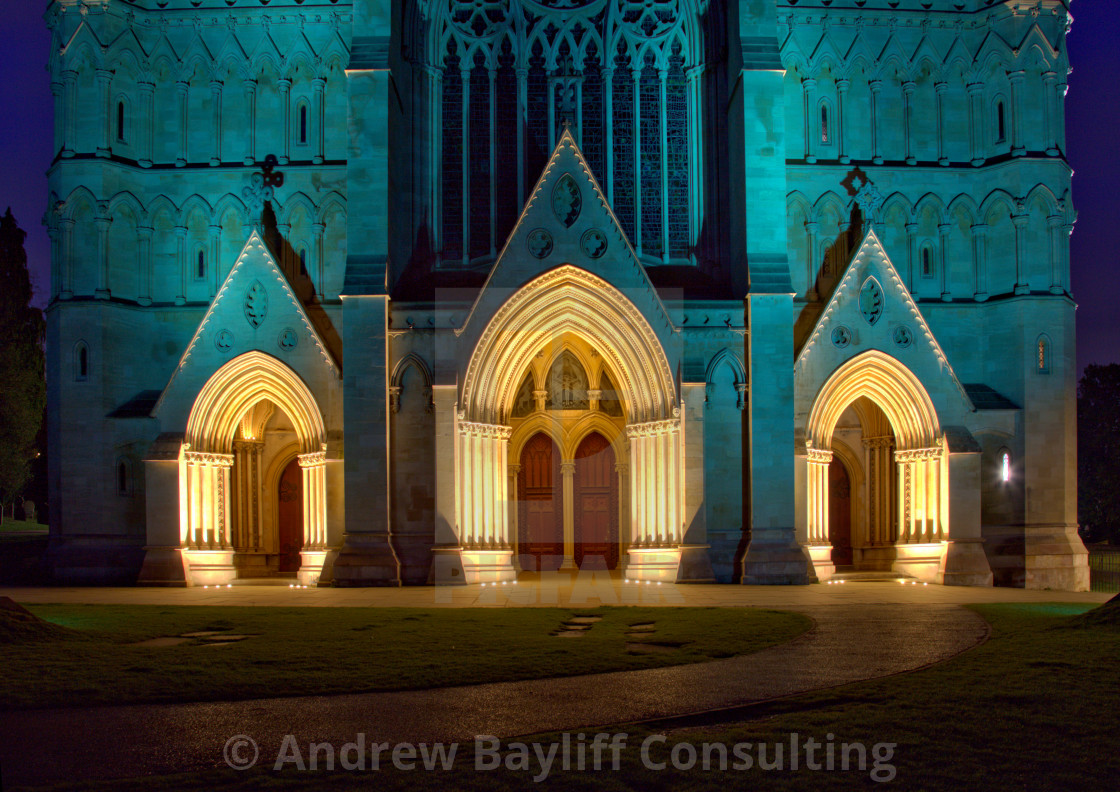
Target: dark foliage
(22, 384)
(1098, 453)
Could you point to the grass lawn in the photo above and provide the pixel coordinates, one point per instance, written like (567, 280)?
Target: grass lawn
(23, 526)
(1037, 707)
(90, 656)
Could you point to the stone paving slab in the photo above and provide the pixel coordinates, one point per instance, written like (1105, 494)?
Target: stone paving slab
(849, 642)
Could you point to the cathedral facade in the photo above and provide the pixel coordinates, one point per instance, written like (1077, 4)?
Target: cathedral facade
(390, 292)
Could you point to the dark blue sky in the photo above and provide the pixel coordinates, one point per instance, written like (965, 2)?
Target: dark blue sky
(1092, 121)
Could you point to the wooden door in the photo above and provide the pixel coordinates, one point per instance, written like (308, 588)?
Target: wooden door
(540, 523)
(839, 512)
(290, 517)
(596, 504)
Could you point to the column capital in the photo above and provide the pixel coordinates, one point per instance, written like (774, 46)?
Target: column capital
(568, 467)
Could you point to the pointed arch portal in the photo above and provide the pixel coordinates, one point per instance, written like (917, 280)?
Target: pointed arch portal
(569, 300)
(907, 491)
(220, 466)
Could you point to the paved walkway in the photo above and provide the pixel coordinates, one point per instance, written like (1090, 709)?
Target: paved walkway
(862, 631)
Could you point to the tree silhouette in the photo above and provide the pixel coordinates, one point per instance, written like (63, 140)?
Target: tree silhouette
(1098, 452)
(22, 383)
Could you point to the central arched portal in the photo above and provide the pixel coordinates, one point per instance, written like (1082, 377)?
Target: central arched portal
(569, 376)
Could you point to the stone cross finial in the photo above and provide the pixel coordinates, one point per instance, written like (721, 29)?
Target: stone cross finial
(261, 188)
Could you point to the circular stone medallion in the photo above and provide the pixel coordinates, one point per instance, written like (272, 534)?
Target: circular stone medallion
(223, 340)
(841, 337)
(288, 339)
(593, 243)
(540, 243)
(902, 336)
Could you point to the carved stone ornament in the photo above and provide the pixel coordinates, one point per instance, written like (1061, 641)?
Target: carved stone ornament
(223, 340)
(871, 301)
(566, 200)
(256, 304)
(593, 243)
(540, 243)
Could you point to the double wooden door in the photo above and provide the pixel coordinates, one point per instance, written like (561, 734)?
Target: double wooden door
(540, 495)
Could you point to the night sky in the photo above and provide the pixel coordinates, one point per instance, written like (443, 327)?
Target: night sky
(1092, 138)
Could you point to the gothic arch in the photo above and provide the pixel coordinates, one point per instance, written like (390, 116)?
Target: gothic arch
(568, 299)
(238, 386)
(891, 386)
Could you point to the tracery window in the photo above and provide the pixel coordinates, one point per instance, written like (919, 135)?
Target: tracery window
(508, 75)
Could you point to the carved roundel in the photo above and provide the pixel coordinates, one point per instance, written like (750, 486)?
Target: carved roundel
(841, 337)
(540, 243)
(223, 340)
(902, 336)
(871, 301)
(288, 339)
(566, 200)
(256, 304)
(593, 243)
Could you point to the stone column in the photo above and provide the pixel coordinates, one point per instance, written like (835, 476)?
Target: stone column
(943, 230)
(207, 477)
(146, 123)
(250, 87)
(144, 234)
(522, 122)
(513, 470)
(102, 221)
(811, 294)
(246, 494)
(908, 120)
(664, 149)
(313, 468)
(1018, 148)
(1020, 220)
(318, 87)
(447, 561)
(104, 81)
(695, 159)
(876, 86)
(1050, 101)
(913, 266)
(1060, 117)
(818, 543)
(320, 263)
(964, 562)
(941, 88)
(215, 255)
(808, 88)
(66, 259)
(182, 87)
(567, 488)
(636, 75)
(216, 124)
(465, 134)
(285, 86)
(1058, 238)
(58, 92)
(977, 132)
(842, 86)
(980, 260)
(181, 256)
(69, 123)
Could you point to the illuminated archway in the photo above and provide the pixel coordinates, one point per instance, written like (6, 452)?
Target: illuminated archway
(918, 527)
(569, 300)
(236, 403)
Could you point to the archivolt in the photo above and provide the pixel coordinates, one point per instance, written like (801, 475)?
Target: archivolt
(239, 385)
(889, 384)
(568, 299)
